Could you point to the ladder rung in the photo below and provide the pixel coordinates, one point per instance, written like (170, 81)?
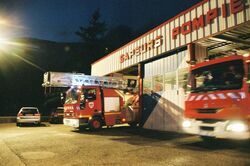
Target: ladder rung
(81, 79)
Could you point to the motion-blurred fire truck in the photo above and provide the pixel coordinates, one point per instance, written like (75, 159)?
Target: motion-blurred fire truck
(219, 103)
(93, 102)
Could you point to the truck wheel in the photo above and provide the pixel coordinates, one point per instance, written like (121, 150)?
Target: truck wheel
(82, 128)
(133, 124)
(95, 124)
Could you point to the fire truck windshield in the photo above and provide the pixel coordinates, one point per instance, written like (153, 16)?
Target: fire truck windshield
(72, 96)
(222, 76)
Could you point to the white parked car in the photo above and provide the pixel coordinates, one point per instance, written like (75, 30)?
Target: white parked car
(28, 115)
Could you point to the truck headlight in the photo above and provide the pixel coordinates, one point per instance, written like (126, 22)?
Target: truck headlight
(237, 126)
(186, 123)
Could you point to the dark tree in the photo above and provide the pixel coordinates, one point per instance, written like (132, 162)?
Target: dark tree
(93, 41)
(95, 31)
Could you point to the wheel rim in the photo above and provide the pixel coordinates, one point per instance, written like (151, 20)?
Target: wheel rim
(96, 124)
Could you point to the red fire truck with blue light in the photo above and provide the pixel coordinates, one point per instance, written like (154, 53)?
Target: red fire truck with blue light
(92, 101)
(219, 101)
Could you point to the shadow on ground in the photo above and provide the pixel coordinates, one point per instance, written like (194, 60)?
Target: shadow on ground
(220, 144)
(145, 137)
(33, 125)
(137, 135)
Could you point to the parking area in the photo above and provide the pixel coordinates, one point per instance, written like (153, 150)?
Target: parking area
(60, 145)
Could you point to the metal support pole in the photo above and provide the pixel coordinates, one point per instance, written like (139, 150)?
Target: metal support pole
(140, 77)
(191, 49)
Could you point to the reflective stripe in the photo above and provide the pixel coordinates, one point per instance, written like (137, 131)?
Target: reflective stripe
(205, 98)
(232, 95)
(242, 95)
(212, 96)
(191, 98)
(221, 96)
(199, 97)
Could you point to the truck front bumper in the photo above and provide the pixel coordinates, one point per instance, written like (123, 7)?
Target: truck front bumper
(76, 123)
(221, 129)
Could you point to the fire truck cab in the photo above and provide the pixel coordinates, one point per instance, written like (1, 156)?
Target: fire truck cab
(219, 102)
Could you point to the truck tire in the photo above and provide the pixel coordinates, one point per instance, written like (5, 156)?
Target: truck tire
(82, 128)
(95, 124)
(51, 121)
(133, 124)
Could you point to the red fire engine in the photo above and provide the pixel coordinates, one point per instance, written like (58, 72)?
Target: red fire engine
(218, 105)
(94, 101)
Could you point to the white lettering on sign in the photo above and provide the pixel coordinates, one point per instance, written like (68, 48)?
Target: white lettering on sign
(234, 7)
(152, 44)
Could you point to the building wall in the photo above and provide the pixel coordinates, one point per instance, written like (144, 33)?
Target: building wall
(165, 79)
(165, 90)
(111, 63)
(165, 86)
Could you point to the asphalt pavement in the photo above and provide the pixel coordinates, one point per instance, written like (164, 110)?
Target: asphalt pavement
(61, 145)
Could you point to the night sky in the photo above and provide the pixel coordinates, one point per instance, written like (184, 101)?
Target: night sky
(57, 20)
(42, 29)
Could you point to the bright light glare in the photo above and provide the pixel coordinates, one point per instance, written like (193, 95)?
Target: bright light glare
(3, 40)
(3, 22)
(186, 124)
(13, 23)
(237, 127)
(246, 55)
(3, 43)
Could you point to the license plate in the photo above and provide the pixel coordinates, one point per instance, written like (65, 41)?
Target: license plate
(67, 121)
(71, 122)
(206, 133)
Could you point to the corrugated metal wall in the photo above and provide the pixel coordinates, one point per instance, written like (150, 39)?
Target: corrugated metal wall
(111, 63)
(165, 65)
(165, 83)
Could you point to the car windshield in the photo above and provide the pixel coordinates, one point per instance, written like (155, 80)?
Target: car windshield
(222, 76)
(29, 111)
(72, 96)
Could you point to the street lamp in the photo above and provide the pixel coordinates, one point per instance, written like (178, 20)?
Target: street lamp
(10, 46)
(8, 29)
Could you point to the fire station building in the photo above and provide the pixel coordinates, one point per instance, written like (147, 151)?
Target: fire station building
(161, 57)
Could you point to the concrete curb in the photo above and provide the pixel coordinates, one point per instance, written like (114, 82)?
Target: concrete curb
(8, 119)
(12, 119)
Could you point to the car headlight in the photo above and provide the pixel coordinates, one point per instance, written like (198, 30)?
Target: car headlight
(237, 126)
(186, 124)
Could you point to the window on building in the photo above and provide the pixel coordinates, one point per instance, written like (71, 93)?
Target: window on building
(170, 81)
(147, 85)
(158, 83)
(183, 78)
